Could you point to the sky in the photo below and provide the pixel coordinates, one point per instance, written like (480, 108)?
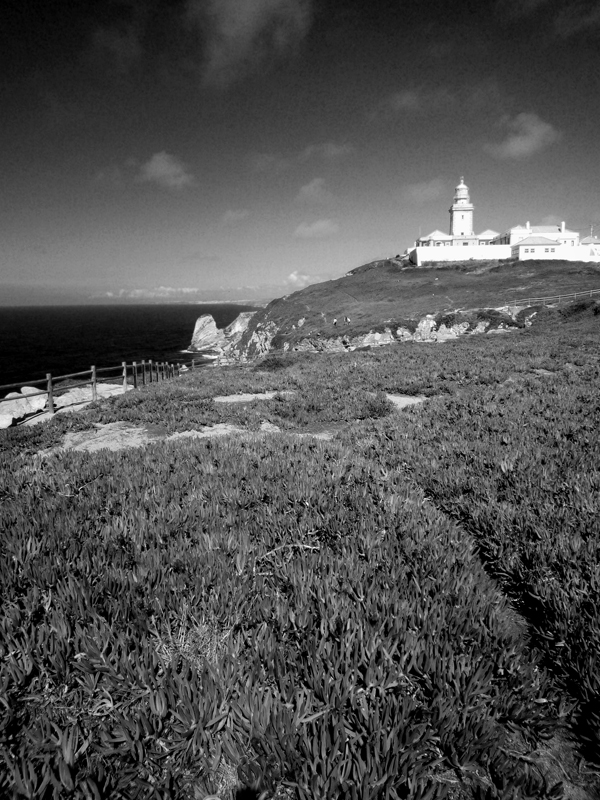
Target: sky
(239, 149)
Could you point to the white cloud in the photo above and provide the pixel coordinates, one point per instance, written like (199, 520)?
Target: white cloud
(423, 192)
(320, 229)
(239, 35)
(315, 192)
(406, 100)
(471, 98)
(551, 219)
(573, 18)
(327, 150)
(165, 170)
(233, 215)
(526, 134)
(298, 280)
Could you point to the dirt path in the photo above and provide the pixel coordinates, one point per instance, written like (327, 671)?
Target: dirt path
(120, 435)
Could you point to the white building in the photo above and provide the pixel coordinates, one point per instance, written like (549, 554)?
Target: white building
(461, 225)
(559, 234)
(520, 242)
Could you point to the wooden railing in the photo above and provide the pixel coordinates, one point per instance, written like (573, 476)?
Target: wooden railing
(558, 298)
(128, 375)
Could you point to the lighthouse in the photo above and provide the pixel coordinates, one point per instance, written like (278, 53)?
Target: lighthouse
(461, 212)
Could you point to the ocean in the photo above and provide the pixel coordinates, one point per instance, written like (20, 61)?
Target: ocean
(35, 340)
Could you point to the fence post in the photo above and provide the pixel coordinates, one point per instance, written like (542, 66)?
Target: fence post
(50, 395)
(193, 363)
(134, 368)
(124, 365)
(150, 371)
(143, 372)
(94, 384)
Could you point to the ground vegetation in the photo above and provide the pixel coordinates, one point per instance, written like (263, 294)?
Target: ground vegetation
(407, 611)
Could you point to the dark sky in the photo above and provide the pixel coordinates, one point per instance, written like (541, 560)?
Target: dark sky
(240, 146)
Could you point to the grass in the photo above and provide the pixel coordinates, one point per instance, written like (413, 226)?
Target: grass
(390, 293)
(414, 575)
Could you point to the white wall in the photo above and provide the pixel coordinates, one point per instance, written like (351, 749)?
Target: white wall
(420, 255)
(565, 252)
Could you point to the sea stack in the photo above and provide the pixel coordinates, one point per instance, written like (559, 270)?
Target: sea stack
(206, 335)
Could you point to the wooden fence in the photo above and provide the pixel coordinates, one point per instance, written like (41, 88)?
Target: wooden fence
(559, 298)
(128, 375)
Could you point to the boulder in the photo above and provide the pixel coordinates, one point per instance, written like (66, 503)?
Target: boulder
(21, 404)
(206, 335)
(235, 330)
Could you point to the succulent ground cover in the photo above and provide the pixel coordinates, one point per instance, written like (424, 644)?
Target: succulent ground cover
(386, 615)
(393, 293)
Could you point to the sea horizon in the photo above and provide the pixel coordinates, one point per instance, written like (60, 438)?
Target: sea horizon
(62, 339)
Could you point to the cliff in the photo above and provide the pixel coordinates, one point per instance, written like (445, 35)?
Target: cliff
(390, 300)
(208, 340)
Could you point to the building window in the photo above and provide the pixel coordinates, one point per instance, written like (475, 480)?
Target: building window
(553, 249)
(546, 250)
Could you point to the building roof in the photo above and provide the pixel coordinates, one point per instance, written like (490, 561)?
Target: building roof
(549, 229)
(488, 233)
(590, 240)
(435, 235)
(535, 240)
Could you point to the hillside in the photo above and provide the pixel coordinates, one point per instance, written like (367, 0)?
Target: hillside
(339, 599)
(391, 294)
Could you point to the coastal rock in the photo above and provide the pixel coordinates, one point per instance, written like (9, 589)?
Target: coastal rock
(21, 404)
(259, 341)
(206, 335)
(341, 344)
(207, 338)
(236, 329)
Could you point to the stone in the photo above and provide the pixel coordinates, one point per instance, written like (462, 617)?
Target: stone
(235, 330)
(21, 404)
(206, 335)
(405, 400)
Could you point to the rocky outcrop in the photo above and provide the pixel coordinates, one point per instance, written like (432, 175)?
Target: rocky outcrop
(21, 404)
(253, 343)
(428, 330)
(206, 336)
(340, 344)
(209, 339)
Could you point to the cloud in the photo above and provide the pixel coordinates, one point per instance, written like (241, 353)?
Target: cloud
(165, 170)
(426, 100)
(329, 151)
(241, 36)
(320, 229)
(233, 215)
(551, 219)
(298, 280)
(527, 134)
(407, 100)
(577, 17)
(315, 192)
(424, 191)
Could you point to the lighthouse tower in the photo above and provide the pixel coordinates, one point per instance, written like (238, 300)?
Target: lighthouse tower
(461, 212)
